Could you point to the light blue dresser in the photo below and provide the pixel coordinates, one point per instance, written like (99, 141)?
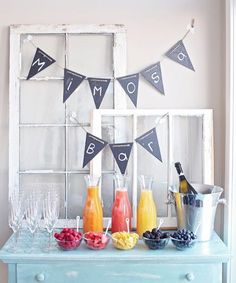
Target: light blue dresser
(201, 264)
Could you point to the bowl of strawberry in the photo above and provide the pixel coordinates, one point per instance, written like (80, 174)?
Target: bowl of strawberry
(68, 239)
(96, 240)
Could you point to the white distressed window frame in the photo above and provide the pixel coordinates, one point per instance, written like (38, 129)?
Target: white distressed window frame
(16, 31)
(207, 139)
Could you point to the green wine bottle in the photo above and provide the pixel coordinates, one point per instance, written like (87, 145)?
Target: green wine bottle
(184, 186)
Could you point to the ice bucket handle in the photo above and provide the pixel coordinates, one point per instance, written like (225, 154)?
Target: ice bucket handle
(222, 201)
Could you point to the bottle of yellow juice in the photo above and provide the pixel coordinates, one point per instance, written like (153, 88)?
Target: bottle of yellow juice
(147, 215)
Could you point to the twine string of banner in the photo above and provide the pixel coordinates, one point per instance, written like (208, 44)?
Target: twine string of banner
(73, 118)
(190, 28)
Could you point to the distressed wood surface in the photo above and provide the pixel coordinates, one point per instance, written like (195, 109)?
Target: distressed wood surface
(17, 33)
(65, 28)
(213, 251)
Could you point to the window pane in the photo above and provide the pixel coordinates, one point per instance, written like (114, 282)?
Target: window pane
(188, 147)
(52, 44)
(115, 130)
(44, 182)
(41, 102)
(149, 165)
(108, 191)
(91, 55)
(42, 148)
(76, 137)
(76, 195)
(81, 102)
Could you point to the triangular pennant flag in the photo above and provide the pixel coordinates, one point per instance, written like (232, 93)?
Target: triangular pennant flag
(71, 81)
(93, 145)
(154, 76)
(130, 85)
(179, 54)
(40, 62)
(98, 88)
(121, 152)
(150, 142)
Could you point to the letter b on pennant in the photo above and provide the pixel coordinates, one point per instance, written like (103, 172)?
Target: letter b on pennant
(93, 145)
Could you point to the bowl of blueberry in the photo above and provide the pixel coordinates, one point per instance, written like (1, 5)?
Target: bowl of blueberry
(183, 239)
(156, 239)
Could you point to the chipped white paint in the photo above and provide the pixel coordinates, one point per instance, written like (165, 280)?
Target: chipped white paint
(16, 31)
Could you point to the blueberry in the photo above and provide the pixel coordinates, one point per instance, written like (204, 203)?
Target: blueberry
(152, 236)
(146, 234)
(165, 235)
(154, 230)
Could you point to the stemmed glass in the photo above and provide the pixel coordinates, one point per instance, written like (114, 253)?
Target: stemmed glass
(16, 214)
(33, 212)
(51, 207)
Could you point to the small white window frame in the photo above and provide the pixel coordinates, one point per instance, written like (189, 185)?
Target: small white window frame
(207, 140)
(16, 31)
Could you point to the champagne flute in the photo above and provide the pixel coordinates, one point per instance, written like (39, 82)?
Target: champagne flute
(51, 207)
(16, 215)
(33, 213)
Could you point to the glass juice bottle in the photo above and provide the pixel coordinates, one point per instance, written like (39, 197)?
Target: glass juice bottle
(121, 208)
(92, 213)
(147, 215)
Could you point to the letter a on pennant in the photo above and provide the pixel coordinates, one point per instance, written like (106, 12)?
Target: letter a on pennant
(150, 142)
(154, 76)
(40, 62)
(130, 86)
(93, 145)
(121, 153)
(71, 81)
(179, 54)
(98, 88)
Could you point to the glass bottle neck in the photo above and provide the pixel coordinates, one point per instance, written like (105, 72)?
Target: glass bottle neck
(92, 191)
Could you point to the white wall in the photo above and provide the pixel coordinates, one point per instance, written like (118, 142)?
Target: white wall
(152, 27)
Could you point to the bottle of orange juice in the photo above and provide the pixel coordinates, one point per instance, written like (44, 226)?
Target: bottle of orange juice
(92, 213)
(147, 215)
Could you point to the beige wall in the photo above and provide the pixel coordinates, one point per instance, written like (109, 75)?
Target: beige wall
(152, 27)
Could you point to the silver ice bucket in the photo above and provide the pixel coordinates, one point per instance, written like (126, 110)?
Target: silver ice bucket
(197, 212)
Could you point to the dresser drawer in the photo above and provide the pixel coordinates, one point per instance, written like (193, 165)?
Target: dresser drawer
(118, 272)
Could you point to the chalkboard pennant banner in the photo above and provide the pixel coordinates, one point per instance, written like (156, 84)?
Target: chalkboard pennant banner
(121, 153)
(153, 75)
(40, 62)
(130, 85)
(93, 145)
(98, 88)
(71, 81)
(179, 54)
(150, 142)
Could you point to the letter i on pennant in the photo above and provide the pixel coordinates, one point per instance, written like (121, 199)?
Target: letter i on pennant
(93, 145)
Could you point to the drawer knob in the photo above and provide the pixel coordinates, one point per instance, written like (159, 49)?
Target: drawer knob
(190, 276)
(40, 277)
